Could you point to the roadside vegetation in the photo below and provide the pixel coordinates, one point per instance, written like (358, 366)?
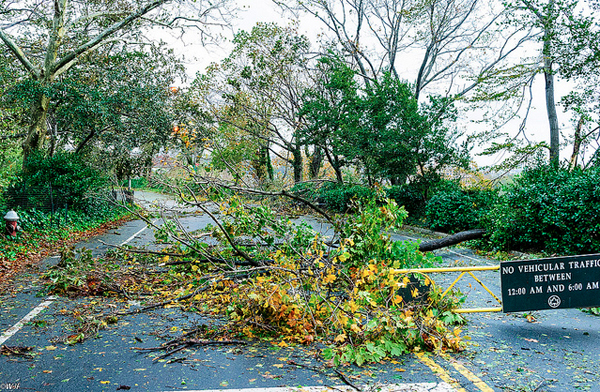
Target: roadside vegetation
(59, 200)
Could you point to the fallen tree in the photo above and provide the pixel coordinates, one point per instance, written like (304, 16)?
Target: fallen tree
(452, 240)
(270, 278)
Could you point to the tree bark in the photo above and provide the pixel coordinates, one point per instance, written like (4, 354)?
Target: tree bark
(36, 134)
(315, 163)
(297, 164)
(451, 240)
(576, 145)
(549, 87)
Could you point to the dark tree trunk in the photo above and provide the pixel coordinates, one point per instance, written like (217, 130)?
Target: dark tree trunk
(315, 163)
(451, 240)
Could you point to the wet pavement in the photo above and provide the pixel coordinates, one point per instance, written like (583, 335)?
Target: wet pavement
(556, 350)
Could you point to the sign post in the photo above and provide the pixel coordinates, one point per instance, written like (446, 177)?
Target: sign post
(552, 283)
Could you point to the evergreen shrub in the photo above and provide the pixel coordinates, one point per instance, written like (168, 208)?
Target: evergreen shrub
(62, 179)
(338, 197)
(453, 208)
(549, 210)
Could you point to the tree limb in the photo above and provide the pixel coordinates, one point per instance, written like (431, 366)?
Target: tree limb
(20, 55)
(451, 240)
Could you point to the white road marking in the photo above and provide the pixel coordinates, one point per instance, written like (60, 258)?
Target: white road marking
(418, 387)
(15, 328)
(135, 235)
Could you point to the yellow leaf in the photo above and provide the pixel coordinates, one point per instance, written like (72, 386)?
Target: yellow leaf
(278, 365)
(282, 344)
(104, 382)
(329, 278)
(400, 370)
(340, 338)
(355, 328)
(50, 348)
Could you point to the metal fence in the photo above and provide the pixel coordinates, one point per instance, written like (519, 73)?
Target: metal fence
(47, 199)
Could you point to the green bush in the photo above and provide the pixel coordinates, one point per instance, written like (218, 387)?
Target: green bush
(411, 196)
(338, 197)
(549, 210)
(63, 179)
(307, 190)
(453, 209)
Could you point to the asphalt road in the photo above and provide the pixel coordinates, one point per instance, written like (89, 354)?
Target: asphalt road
(556, 350)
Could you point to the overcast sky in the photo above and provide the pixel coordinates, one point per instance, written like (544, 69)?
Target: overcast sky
(198, 57)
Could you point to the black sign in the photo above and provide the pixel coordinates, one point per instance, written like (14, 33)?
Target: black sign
(553, 283)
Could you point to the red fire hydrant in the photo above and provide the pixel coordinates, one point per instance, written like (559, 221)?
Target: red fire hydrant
(11, 219)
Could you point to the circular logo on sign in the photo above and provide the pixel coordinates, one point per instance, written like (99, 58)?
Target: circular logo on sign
(554, 301)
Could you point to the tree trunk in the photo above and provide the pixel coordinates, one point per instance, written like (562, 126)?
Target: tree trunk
(37, 128)
(315, 163)
(334, 161)
(297, 164)
(549, 87)
(576, 145)
(451, 240)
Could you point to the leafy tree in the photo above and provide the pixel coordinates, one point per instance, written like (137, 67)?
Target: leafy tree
(332, 111)
(10, 121)
(262, 81)
(382, 127)
(49, 37)
(116, 105)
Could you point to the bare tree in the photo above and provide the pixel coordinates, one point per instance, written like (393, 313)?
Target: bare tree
(454, 42)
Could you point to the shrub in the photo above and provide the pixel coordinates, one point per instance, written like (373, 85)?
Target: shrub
(454, 209)
(307, 190)
(411, 196)
(338, 198)
(549, 210)
(58, 180)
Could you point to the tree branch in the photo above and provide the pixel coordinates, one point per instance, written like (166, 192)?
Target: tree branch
(67, 60)
(20, 55)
